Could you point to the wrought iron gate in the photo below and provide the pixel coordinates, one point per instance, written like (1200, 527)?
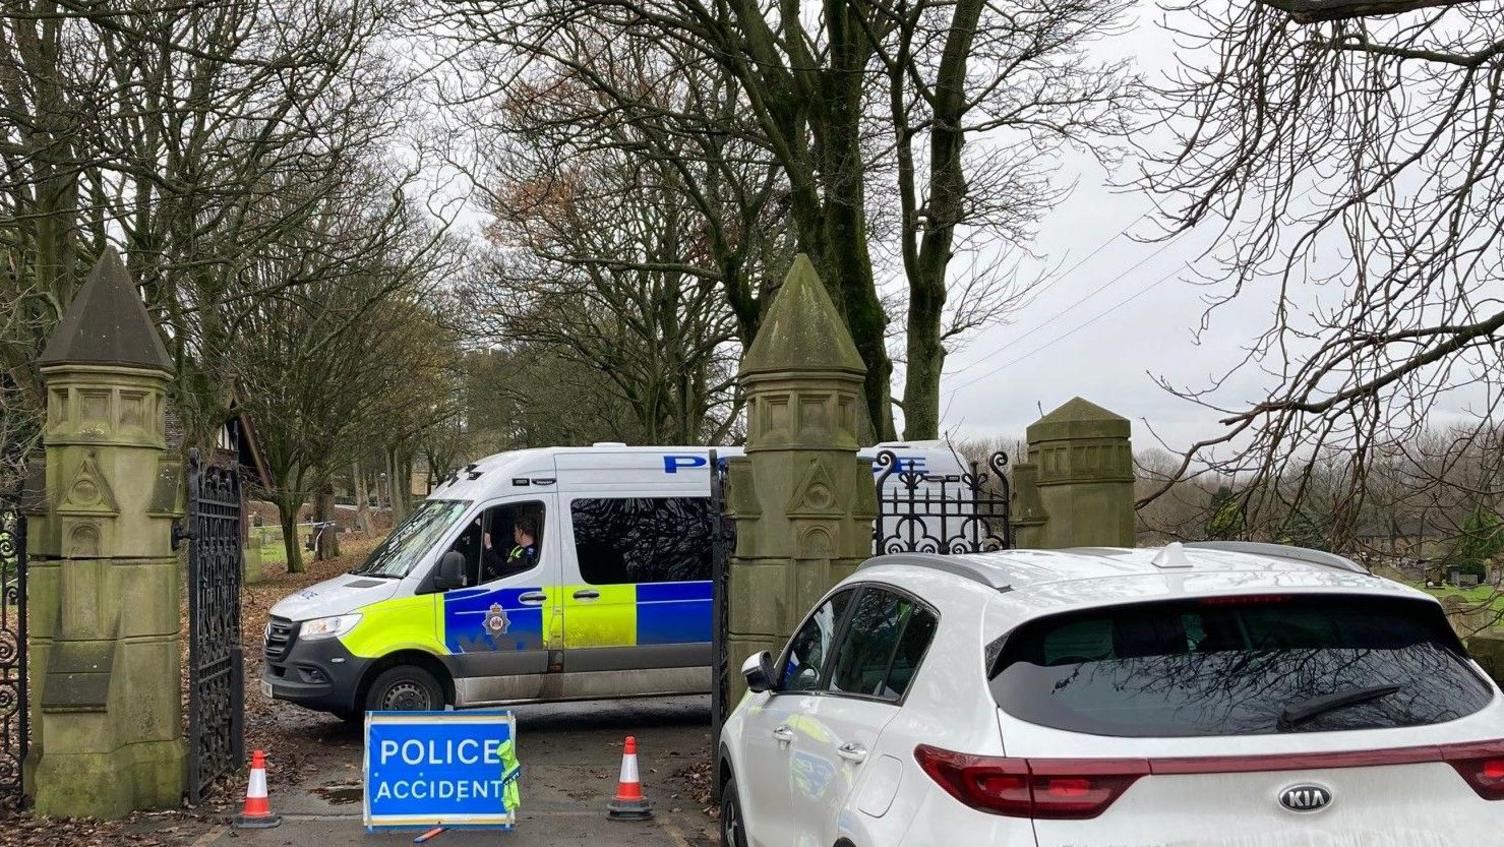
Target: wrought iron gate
(14, 730)
(216, 684)
(719, 579)
(921, 512)
(723, 540)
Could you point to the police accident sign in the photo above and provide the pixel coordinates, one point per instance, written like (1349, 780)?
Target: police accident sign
(450, 769)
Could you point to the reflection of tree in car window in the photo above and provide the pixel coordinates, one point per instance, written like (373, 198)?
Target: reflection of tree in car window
(412, 538)
(810, 646)
(1196, 668)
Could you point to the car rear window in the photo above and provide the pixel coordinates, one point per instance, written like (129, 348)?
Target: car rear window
(1237, 666)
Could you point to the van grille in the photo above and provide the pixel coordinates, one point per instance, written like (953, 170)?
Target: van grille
(280, 633)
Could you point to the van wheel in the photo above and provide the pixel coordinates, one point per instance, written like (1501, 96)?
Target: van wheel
(405, 688)
(733, 828)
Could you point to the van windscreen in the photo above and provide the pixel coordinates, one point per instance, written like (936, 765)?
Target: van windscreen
(1237, 666)
(422, 529)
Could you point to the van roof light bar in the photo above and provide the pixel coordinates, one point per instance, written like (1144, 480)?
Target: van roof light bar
(1285, 551)
(962, 566)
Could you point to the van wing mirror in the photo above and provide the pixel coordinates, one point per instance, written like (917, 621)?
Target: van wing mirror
(451, 571)
(758, 671)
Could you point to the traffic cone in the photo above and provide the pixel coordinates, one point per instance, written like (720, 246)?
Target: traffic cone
(629, 804)
(258, 809)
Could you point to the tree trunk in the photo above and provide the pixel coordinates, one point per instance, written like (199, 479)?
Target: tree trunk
(921, 382)
(405, 470)
(323, 511)
(394, 487)
(844, 259)
(864, 314)
(287, 514)
(362, 504)
(838, 245)
(946, 206)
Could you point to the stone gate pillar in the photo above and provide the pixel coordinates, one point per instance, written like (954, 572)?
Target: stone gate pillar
(1076, 490)
(104, 590)
(802, 501)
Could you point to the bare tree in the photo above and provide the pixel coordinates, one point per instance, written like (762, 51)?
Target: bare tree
(607, 256)
(829, 98)
(1354, 167)
(980, 99)
(172, 129)
(349, 358)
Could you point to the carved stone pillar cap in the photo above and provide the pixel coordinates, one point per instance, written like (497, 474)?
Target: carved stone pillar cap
(1078, 418)
(107, 324)
(803, 331)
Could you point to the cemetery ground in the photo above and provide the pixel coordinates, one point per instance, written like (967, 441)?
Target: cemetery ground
(570, 755)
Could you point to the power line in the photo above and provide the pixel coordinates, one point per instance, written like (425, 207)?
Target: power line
(1063, 336)
(1090, 294)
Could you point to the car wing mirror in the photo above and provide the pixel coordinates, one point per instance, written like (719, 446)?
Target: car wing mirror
(758, 671)
(451, 572)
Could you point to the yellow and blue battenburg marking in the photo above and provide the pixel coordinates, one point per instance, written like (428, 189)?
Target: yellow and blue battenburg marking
(672, 613)
(484, 619)
(488, 620)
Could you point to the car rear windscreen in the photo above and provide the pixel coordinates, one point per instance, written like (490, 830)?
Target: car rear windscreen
(1237, 666)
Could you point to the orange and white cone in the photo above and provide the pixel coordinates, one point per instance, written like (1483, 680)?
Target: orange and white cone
(257, 813)
(629, 804)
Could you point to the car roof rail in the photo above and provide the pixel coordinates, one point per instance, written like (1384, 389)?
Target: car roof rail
(1284, 551)
(962, 566)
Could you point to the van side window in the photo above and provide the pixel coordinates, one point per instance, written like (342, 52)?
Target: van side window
(515, 533)
(624, 540)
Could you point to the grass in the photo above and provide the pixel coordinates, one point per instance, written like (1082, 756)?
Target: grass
(274, 553)
(1482, 598)
(1478, 595)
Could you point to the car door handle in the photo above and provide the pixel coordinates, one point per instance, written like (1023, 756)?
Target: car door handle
(852, 752)
(784, 735)
(532, 598)
(587, 595)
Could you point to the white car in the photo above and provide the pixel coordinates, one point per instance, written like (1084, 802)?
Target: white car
(1241, 695)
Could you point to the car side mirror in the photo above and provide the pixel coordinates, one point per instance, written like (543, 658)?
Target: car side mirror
(451, 572)
(758, 671)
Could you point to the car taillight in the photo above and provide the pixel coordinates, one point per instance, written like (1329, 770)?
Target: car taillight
(1058, 789)
(1481, 766)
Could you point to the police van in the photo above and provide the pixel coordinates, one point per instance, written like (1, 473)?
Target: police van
(532, 575)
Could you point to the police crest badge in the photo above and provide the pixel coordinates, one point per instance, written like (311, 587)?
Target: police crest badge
(497, 620)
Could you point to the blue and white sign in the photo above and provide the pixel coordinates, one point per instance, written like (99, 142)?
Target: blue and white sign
(449, 769)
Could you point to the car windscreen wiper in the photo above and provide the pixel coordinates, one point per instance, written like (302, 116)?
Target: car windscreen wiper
(1315, 707)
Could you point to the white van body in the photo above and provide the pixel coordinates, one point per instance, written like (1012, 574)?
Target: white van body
(615, 599)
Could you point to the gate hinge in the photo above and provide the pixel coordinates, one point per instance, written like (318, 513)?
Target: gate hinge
(179, 534)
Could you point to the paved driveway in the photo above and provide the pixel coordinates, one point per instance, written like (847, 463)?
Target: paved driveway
(570, 755)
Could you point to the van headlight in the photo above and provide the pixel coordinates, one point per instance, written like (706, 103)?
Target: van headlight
(332, 627)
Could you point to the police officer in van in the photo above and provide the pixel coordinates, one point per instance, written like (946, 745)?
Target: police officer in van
(522, 556)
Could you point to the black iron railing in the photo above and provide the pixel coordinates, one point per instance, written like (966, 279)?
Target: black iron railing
(723, 540)
(921, 512)
(14, 728)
